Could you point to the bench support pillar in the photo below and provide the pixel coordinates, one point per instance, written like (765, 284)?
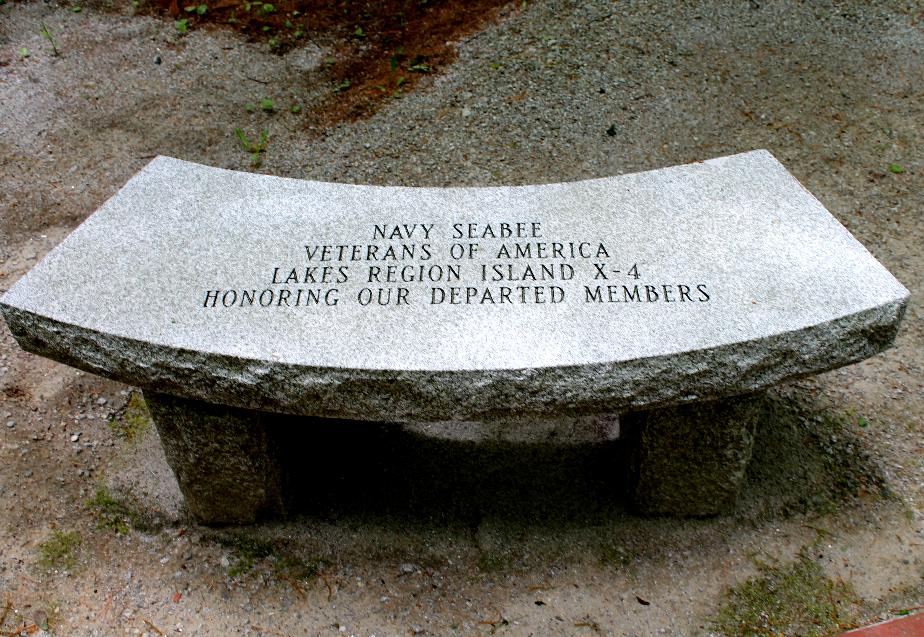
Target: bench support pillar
(231, 465)
(690, 460)
(227, 464)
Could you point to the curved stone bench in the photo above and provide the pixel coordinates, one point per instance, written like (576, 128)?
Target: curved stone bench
(208, 287)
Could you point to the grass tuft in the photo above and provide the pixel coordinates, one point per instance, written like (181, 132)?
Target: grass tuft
(791, 599)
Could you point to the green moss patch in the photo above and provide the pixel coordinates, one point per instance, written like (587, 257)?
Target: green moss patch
(60, 550)
(133, 421)
(112, 514)
(790, 599)
(248, 553)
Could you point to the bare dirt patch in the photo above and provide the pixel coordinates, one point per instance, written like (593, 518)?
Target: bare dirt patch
(377, 49)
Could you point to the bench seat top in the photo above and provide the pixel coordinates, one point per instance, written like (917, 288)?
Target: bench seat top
(392, 303)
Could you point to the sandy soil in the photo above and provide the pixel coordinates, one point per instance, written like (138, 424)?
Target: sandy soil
(529, 541)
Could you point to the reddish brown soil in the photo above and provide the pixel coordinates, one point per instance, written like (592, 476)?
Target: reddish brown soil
(382, 48)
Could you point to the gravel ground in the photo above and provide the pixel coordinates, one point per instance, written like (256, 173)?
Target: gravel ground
(553, 91)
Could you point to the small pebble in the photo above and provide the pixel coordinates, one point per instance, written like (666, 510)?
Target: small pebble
(40, 618)
(75, 437)
(101, 401)
(10, 423)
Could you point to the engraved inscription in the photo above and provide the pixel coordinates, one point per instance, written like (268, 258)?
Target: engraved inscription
(458, 264)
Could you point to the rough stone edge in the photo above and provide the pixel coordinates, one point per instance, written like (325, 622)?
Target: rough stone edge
(473, 395)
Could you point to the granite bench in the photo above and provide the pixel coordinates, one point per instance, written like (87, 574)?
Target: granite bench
(670, 298)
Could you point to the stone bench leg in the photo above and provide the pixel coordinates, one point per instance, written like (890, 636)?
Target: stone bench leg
(226, 462)
(690, 460)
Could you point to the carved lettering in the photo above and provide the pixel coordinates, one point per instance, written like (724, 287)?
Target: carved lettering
(457, 264)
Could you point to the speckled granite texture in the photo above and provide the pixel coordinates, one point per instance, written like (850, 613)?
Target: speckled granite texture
(690, 461)
(421, 304)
